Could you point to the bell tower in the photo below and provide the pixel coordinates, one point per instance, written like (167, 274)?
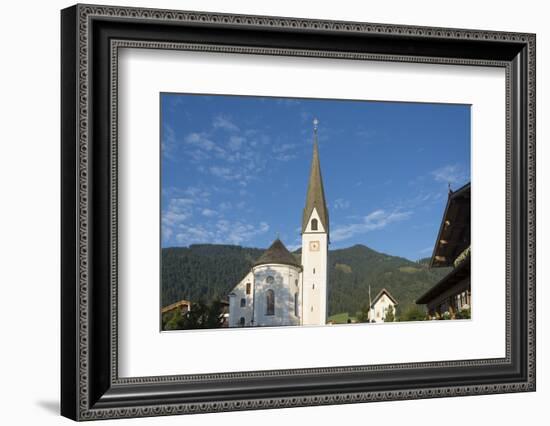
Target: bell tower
(315, 240)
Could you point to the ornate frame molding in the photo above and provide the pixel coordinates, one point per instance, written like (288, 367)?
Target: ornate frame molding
(108, 397)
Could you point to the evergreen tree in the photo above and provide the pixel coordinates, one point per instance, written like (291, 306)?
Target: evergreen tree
(200, 316)
(414, 313)
(390, 317)
(363, 314)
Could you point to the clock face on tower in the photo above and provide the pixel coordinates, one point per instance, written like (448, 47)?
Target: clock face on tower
(314, 246)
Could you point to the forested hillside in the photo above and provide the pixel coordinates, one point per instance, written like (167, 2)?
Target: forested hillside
(208, 272)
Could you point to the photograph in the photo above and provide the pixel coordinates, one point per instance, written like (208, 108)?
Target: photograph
(281, 211)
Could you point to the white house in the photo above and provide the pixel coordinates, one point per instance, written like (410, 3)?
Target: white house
(280, 288)
(380, 305)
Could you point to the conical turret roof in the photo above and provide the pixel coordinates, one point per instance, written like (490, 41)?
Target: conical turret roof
(277, 253)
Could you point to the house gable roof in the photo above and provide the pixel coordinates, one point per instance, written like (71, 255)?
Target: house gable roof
(380, 294)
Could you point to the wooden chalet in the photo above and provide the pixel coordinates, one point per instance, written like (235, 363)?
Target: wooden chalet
(183, 305)
(452, 293)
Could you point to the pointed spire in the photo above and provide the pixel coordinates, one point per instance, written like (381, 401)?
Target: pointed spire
(315, 198)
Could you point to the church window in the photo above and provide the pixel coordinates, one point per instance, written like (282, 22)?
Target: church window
(313, 286)
(296, 282)
(269, 279)
(314, 270)
(270, 302)
(296, 309)
(314, 224)
(247, 288)
(243, 302)
(241, 322)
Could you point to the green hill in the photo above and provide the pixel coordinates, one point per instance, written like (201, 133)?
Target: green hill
(208, 272)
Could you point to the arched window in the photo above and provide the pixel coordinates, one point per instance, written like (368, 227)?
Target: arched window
(314, 224)
(241, 322)
(296, 308)
(270, 302)
(247, 288)
(243, 302)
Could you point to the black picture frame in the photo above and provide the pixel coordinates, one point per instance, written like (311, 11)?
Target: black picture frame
(90, 386)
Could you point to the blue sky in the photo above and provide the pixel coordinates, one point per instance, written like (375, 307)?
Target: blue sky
(235, 170)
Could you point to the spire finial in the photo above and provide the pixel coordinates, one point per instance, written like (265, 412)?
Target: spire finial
(315, 125)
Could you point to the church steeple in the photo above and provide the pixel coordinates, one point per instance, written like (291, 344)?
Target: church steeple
(315, 198)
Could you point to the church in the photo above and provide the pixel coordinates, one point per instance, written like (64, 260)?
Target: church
(281, 289)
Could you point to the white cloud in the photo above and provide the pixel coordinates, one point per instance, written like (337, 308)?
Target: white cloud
(203, 142)
(222, 231)
(283, 147)
(284, 152)
(233, 160)
(189, 218)
(235, 142)
(234, 174)
(167, 233)
(285, 157)
(376, 220)
(225, 173)
(196, 192)
(181, 207)
(225, 123)
(341, 204)
(169, 142)
(209, 212)
(179, 210)
(452, 174)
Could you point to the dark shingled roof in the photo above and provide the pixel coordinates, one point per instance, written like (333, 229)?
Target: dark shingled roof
(277, 253)
(315, 192)
(456, 276)
(454, 232)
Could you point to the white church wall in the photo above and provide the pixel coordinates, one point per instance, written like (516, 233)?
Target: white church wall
(315, 274)
(236, 311)
(285, 283)
(380, 308)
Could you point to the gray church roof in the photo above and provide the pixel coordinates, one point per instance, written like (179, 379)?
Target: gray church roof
(277, 253)
(315, 192)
